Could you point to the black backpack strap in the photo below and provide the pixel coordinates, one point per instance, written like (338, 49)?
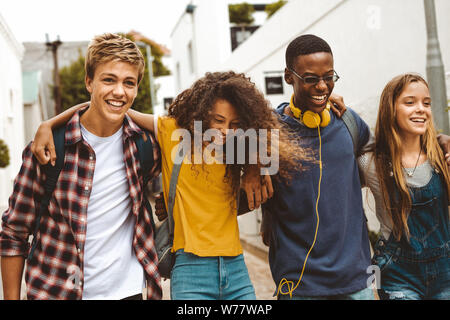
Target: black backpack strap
(51, 174)
(173, 187)
(145, 152)
(352, 126)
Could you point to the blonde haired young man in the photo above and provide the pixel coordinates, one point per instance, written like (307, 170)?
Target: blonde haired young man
(96, 242)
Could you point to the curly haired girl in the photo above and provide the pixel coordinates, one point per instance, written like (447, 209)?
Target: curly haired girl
(206, 236)
(209, 263)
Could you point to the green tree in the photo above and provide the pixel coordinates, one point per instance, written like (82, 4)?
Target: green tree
(241, 13)
(143, 101)
(4, 154)
(73, 89)
(274, 7)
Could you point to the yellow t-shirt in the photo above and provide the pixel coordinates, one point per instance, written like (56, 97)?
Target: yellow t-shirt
(204, 210)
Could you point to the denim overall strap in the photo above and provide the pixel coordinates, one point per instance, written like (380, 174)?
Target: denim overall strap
(428, 220)
(419, 268)
(428, 224)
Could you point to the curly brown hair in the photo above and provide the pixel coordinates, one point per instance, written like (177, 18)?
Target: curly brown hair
(254, 111)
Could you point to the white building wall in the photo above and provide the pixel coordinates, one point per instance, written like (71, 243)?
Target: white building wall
(11, 108)
(181, 37)
(165, 90)
(208, 31)
(372, 41)
(213, 42)
(32, 119)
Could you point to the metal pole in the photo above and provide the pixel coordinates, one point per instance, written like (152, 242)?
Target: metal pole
(150, 71)
(53, 46)
(150, 76)
(435, 71)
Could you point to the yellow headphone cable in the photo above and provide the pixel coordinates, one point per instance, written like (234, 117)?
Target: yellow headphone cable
(284, 281)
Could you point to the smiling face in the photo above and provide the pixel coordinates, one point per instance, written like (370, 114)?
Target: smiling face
(224, 117)
(309, 96)
(413, 109)
(113, 90)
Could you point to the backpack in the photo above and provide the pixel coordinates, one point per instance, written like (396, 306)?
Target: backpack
(145, 153)
(266, 215)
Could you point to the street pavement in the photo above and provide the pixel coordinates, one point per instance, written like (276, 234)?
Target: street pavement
(259, 271)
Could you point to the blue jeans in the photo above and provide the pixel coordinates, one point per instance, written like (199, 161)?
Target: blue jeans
(364, 294)
(210, 278)
(413, 277)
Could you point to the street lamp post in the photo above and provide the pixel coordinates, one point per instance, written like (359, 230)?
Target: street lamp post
(53, 46)
(435, 70)
(150, 58)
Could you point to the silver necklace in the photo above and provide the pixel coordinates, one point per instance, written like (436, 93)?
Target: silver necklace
(410, 173)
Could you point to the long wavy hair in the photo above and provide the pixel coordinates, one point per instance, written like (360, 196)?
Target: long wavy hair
(387, 152)
(254, 112)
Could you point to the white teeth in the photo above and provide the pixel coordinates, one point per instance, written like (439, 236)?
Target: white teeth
(319, 97)
(115, 103)
(418, 120)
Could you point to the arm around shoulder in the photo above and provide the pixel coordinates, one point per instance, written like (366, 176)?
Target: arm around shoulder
(43, 147)
(444, 142)
(143, 120)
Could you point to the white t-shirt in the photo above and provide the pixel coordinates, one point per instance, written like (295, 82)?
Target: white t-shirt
(111, 269)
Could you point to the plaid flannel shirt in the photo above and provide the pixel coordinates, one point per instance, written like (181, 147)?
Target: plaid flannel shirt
(56, 268)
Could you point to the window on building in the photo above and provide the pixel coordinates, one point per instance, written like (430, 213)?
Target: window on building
(274, 84)
(191, 57)
(11, 100)
(167, 102)
(240, 34)
(10, 108)
(178, 76)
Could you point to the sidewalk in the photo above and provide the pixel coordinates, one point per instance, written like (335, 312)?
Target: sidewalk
(256, 256)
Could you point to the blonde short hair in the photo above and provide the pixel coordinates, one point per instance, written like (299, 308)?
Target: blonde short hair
(112, 47)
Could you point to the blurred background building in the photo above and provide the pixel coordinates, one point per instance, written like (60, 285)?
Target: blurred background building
(372, 41)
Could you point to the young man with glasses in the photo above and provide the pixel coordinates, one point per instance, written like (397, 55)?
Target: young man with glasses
(319, 246)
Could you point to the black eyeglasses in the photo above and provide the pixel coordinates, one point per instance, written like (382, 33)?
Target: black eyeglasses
(313, 80)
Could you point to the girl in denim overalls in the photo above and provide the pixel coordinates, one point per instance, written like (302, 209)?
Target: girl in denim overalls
(409, 179)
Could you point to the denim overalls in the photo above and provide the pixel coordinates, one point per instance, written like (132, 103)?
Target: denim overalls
(420, 268)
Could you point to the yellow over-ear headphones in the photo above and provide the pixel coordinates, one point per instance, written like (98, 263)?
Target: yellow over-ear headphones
(309, 118)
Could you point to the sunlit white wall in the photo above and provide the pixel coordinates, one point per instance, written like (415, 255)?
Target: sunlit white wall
(11, 107)
(372, 41)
